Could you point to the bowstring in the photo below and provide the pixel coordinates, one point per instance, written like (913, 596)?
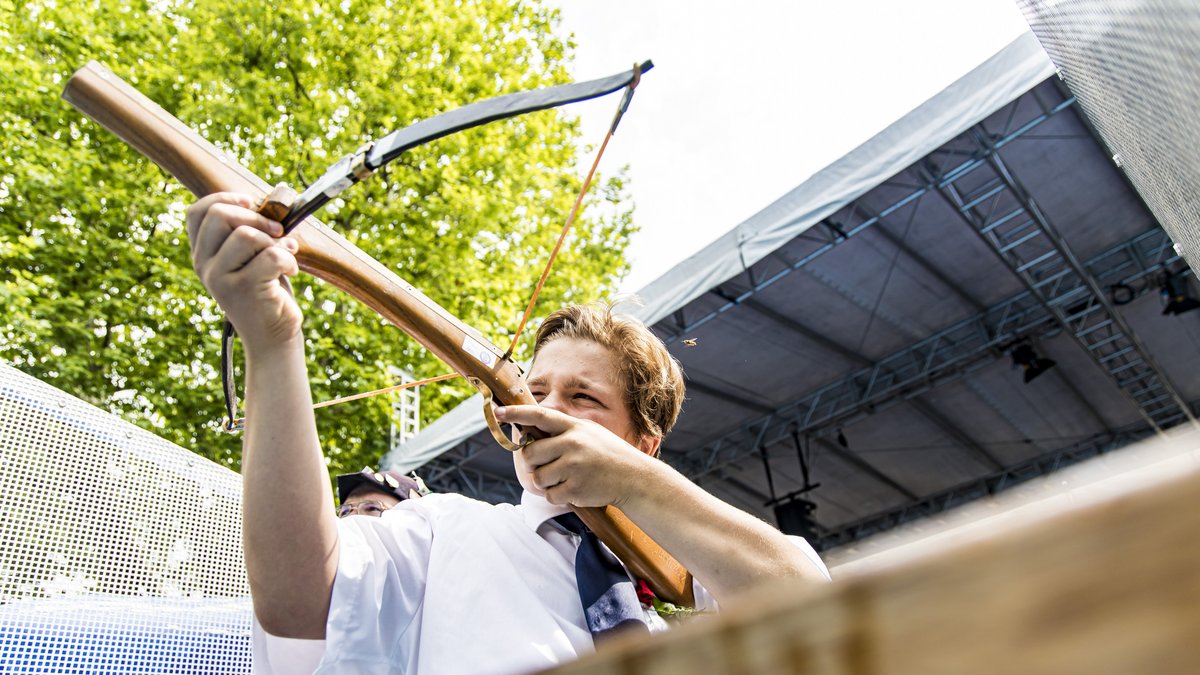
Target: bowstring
(562, 237)
(385, 390)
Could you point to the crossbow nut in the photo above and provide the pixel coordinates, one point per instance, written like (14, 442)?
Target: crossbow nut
(358, 165)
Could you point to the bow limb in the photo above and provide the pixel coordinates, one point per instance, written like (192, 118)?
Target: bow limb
(204, 169)
(354, 168)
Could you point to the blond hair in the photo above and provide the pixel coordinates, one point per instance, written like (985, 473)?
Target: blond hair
(651, 377)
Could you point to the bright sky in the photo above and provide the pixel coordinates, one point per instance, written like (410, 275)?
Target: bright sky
(749, 98)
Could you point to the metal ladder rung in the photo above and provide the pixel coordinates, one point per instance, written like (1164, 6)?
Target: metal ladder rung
(1050, 267)
(1038, 260)
(1169, 409)
(1172, 419)
(1054, 277)
(1064, 298)
(1102, 324)
(1154, 386)
(1112, 338)
(1090, 309)
(1013, 244)
(1138, 378)
(1004, 219)
(1147, 404)
(1136, 362)
(1000, 187)
(1110, 357)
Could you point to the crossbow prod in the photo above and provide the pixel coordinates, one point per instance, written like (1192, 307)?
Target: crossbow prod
(204, 169)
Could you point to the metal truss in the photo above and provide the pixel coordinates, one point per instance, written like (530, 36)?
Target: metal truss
(953, 352)
(1002, 211)
(947, 355)
(983, 487)
(834, 233)
(450, 473)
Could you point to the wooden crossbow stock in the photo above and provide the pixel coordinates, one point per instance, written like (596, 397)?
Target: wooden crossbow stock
(204, 169)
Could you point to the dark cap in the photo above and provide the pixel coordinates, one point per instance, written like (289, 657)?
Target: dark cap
(389, 482)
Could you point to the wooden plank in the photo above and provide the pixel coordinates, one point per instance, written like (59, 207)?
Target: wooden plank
(1111, 588)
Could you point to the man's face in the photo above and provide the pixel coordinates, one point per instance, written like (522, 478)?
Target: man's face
(367, 502)
(580, 378)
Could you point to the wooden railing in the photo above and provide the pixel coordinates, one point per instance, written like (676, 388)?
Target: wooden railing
(1113, 587)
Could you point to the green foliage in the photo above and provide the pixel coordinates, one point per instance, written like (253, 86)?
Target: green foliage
(96, 290)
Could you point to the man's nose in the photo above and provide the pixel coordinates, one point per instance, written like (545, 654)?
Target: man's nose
(552, 400)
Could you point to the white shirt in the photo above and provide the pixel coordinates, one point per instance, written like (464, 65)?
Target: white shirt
(447, 584)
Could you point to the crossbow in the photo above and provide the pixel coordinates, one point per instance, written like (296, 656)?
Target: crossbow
(203, 169)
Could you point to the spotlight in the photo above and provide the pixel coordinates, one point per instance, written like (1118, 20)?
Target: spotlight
(1175, 292)
(1033, 365)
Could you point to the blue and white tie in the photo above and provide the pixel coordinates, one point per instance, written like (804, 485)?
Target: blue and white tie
(610, 601)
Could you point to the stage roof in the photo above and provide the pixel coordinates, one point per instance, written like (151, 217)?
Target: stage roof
(867, 321)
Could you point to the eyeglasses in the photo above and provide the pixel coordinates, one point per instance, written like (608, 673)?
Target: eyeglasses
(367, 508)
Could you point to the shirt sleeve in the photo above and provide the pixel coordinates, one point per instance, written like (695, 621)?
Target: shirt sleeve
(383, 568)
(274, 655)
(811, 553)
(382, 564)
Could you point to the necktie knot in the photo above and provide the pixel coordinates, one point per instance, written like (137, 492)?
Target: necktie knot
(571, 523)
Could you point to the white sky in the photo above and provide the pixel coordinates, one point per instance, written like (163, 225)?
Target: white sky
(748, 99)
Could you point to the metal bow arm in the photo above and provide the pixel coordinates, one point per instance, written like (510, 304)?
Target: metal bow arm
(370, 157)
(204, 169)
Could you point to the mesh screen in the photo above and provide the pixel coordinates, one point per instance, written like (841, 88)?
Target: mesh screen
(119, 552)
(1135, 67)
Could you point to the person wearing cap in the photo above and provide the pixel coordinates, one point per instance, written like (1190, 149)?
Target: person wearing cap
(370, 492)
(447, 584)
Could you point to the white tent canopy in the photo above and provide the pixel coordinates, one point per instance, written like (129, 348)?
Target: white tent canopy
(996, 82)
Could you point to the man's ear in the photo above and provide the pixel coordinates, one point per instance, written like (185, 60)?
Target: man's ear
(649, 445)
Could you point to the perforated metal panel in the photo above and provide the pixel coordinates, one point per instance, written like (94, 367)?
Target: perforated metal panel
(119, 552)
(1135, 67)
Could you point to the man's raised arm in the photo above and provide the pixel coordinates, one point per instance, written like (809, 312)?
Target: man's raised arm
(288, 526)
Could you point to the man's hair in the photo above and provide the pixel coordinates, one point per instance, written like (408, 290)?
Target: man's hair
(652, 378)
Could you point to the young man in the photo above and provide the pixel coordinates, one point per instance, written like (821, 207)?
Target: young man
(446, 584)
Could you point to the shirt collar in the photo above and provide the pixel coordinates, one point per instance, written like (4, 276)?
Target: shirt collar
(536, 510)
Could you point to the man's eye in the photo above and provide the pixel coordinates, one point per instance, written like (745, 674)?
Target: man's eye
(587, 397)
(538, 395)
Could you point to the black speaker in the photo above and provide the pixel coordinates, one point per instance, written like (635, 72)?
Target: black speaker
(796, 517)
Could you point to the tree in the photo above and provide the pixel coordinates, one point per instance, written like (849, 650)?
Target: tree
(96, 291)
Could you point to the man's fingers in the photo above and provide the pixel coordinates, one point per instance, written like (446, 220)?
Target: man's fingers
(221, 221)
(548, 476)
(541, 452)
(199, 209)
(557, 494)
(547, 419)
(274, 262)
(242, 247)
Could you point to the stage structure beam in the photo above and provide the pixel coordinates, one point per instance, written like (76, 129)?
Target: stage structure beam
(1004, 214)
(964, 347)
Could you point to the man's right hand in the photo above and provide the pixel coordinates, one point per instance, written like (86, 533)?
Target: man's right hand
(243, 259)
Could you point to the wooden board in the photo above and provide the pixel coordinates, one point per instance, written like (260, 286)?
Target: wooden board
(1111, 588)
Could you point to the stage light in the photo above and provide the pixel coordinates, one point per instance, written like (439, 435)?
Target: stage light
(1175, 292)
(1023, 355)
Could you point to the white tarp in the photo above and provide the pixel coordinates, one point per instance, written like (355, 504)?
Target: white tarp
(1011, 72)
